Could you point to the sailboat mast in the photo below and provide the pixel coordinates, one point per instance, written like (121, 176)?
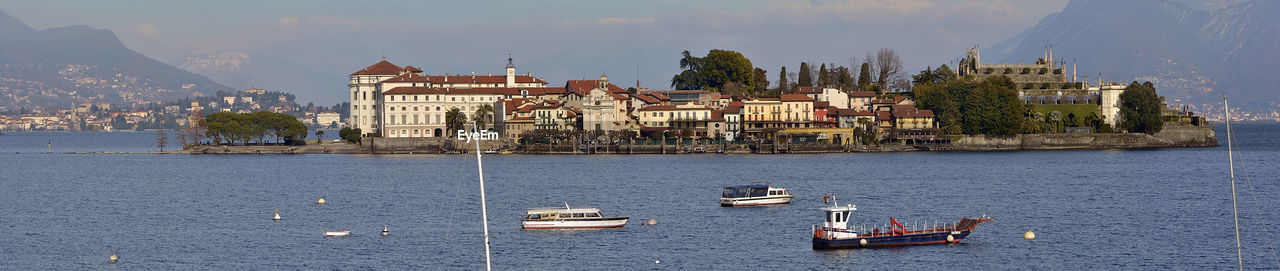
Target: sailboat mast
(484, 210)
(1232, 168)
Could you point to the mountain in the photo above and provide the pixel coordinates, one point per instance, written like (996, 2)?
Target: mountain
(58, 67)
(243, 70)
(1191, 50)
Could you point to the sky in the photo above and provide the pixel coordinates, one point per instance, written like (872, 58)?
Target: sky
(557, 40)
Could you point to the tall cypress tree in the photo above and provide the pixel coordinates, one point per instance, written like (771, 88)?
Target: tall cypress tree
(864, 77)
(804, 79)
(782, 81)
(824, 76)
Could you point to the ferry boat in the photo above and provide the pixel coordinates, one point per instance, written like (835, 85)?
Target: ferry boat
(569, 218)
(336, 233)
(836, 233)
(754, 194)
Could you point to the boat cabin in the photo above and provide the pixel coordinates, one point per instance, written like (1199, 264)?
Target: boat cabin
(561, 213)
(838, 216)
(752, 191)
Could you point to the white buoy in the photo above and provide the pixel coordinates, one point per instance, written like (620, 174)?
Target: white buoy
(277, 217)
(951, 239)
(385, 231)
(1029, 235)
(113, 257)
(862, 242)
(320, 201)
(652, 222)
(657, 261)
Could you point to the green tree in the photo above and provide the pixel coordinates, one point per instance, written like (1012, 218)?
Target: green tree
(483, 116)
(804, 79)
(824, 76)
(864, 77)
(1140, 108)
(454, 120)
(319, 136)
(762, 81)
(713, 71)
(844, 78)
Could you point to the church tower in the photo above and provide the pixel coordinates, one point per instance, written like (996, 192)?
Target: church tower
(511, 73)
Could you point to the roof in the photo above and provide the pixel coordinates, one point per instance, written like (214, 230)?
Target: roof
(647, 99)
(883, 115)
(809, 90)
(671, 107)
(908, 111)
(821, 104)
(482, 79)
(862, 94)
(855, 112)
(795, 98)
(381, 68)
(493, 91)
(734, 107)
(584, 86)
(717, 115)
(409, 77)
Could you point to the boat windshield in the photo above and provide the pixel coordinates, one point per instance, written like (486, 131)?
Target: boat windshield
(746, 191)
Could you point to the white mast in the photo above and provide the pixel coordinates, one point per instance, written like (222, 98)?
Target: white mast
(484, 211)
(1231, 164)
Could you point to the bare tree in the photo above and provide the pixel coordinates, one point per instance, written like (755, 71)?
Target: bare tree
(161, 139)
(888, 67)
(195, 131)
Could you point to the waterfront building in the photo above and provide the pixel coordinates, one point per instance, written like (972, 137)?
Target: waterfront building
(760, 115)
(833, 97)
(364, 94)
(853, 118)
(798, 110)
(690, 116)
(604, 105)
(861, 100)
(732, 114)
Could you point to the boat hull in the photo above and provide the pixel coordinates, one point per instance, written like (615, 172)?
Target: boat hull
(767, 200)
(589, 223)
(336, 233)
(930, 238)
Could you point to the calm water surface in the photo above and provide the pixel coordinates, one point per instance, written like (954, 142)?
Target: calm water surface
(1136, 209)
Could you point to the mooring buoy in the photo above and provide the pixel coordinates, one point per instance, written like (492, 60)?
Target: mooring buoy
(113, 257)
(1029, 235)
(277, 217)
(385, 231)
(320, 201)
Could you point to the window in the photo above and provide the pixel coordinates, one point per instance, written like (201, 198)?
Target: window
(404, 132)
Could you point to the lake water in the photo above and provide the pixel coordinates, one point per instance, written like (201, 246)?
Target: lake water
(1110, 209)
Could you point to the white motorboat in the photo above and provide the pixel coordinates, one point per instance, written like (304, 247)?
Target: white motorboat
(336, 233)
(569, 218)
(754, 194)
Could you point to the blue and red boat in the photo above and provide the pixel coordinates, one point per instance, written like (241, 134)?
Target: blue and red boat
(835, 232)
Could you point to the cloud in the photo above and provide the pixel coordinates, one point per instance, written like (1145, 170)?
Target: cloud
(146, 31)
(288, 21)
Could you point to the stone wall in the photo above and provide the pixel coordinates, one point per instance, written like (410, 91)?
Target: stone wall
(426, 145)
(1174, 136)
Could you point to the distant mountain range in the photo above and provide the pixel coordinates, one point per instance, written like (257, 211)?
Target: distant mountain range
(59, 67)
(243, 70)
(1192, 50)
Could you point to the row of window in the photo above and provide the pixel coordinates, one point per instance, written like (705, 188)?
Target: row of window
(405, 98)
(404, 119)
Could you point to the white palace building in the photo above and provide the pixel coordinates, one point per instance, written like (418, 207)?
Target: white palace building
(399, 101)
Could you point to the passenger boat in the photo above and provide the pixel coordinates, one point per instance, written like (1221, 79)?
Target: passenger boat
(336, 233)
(836, 233)
(755, 194)
(569, 218)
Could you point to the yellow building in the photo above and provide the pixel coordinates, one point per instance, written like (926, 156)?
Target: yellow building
(689, 116)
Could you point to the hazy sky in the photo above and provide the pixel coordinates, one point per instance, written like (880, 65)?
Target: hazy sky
(556, 40)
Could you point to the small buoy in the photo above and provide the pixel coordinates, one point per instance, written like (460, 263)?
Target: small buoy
(1029, 235)
(862, 242)
(113, 257)
(320, 201)
(385, 232)
(657, 261)
(652, 222)
(951, 239)
(277, 217)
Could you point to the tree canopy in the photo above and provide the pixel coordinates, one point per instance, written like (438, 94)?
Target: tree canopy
(714, 71)
(962, 105)
(230, 127)
(1140, 109)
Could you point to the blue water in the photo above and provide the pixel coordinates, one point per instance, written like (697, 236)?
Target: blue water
(1134, 209)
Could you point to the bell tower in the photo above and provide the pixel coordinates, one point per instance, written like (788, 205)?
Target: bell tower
(511, 72)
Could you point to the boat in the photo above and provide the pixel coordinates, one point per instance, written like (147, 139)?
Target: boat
(336, 233)
(699, 150)
(754, 194)
(836, 233)
(569, 218)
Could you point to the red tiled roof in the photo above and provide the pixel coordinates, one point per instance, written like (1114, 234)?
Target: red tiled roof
(717, 115)
(862, 94)
(882, 101)
(647, 99)
(381, 68)
(809, 90)
(883, 115)
(821, 104)
(409, 77)
(583, 86)
(734, 107)
(910, 111)
(795, 98)
(482, 79)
